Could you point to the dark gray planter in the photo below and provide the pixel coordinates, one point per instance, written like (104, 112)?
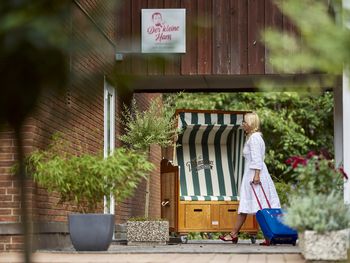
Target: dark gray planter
(91, 232)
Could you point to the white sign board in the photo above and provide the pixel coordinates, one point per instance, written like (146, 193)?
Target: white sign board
(163, 30)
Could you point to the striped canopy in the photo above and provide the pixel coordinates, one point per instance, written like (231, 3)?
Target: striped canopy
(209, 155)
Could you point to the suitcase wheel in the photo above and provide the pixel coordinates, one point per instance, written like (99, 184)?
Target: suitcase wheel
(184, 239)
(253, 239)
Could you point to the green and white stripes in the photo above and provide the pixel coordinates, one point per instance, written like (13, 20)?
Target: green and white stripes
(209, 154)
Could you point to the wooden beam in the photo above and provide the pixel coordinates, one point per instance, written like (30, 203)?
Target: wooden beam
(227, 83)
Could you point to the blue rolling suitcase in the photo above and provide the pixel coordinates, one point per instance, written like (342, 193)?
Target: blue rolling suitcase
(269, 219)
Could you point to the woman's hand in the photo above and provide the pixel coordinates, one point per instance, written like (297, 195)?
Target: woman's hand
(256, 179)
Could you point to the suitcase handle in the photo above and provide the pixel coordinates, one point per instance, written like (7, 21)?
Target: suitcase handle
(257, 199)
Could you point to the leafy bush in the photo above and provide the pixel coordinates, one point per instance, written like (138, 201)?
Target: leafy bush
(143, 128)
(283, 190)
(84, 180)
(318, 212)
(315, 173)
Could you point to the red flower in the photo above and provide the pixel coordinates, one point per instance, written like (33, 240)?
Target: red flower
(310, 154)
(296, 160)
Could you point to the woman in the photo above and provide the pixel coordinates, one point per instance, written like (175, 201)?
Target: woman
(255, 171)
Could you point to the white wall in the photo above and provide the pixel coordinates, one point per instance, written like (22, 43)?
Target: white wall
(346, 132)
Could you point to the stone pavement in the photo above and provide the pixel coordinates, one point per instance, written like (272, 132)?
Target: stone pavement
(51, 257)
(208, 251)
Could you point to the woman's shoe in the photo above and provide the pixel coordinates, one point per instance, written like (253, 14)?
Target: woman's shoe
(265, 243)
(234, 240)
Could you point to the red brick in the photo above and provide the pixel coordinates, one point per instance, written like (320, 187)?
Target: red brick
(6, 143)
(7, 135)
(16, 239)
(6, 157)
(6, 167)
(9, 219)
(5, 197)
(16, 212)
(5, 239)
(5, 184)
(14, 191)
(5, 211)
(8, 149)
(13, 247)
(7, 177)
(9, 204)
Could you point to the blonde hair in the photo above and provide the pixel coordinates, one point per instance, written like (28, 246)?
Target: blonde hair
(253, 121)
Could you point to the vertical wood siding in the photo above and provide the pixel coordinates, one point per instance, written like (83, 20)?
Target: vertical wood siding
(222, 37)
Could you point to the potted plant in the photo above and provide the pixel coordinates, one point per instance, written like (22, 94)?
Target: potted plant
(322, 222)
(140, 230)
(317, 208)
(154, 126)
(84, 180)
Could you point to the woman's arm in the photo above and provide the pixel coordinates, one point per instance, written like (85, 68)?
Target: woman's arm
(256, 179)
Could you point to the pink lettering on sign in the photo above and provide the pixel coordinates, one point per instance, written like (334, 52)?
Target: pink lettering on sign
(161, 31)
(163, 37)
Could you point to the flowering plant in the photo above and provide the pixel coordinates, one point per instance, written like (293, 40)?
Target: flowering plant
(317, 202)
(316, 173)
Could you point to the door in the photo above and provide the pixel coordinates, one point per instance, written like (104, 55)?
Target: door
(169, 175)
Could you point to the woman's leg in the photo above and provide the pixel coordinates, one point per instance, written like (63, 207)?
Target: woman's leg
(239, 223)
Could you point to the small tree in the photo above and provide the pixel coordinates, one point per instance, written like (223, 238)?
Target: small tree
(144, 128)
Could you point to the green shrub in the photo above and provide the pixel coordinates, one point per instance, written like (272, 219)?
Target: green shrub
(318, 212)
(283, 190)
(144, 128)
(84, 180)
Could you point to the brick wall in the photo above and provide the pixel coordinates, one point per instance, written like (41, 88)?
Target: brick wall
(9, 191)
(78, 114)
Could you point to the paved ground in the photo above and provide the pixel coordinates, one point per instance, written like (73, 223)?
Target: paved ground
(195, 251)
(46, 257)
(208, 247)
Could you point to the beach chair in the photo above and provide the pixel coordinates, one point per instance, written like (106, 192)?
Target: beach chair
(200, 187)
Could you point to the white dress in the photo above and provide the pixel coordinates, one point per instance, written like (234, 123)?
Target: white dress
(254, 154)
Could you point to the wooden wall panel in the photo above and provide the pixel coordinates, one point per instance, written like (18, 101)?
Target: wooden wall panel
(189, 60)
(222, 37)
(289, 27)
(239, 37)
(256, 22)
(123, 35)
(172, 61)
(155, 64)
(139, 64)
(204, 37)
(273, 20)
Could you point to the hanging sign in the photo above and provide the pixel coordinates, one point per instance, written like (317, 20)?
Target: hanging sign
(163, 30)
